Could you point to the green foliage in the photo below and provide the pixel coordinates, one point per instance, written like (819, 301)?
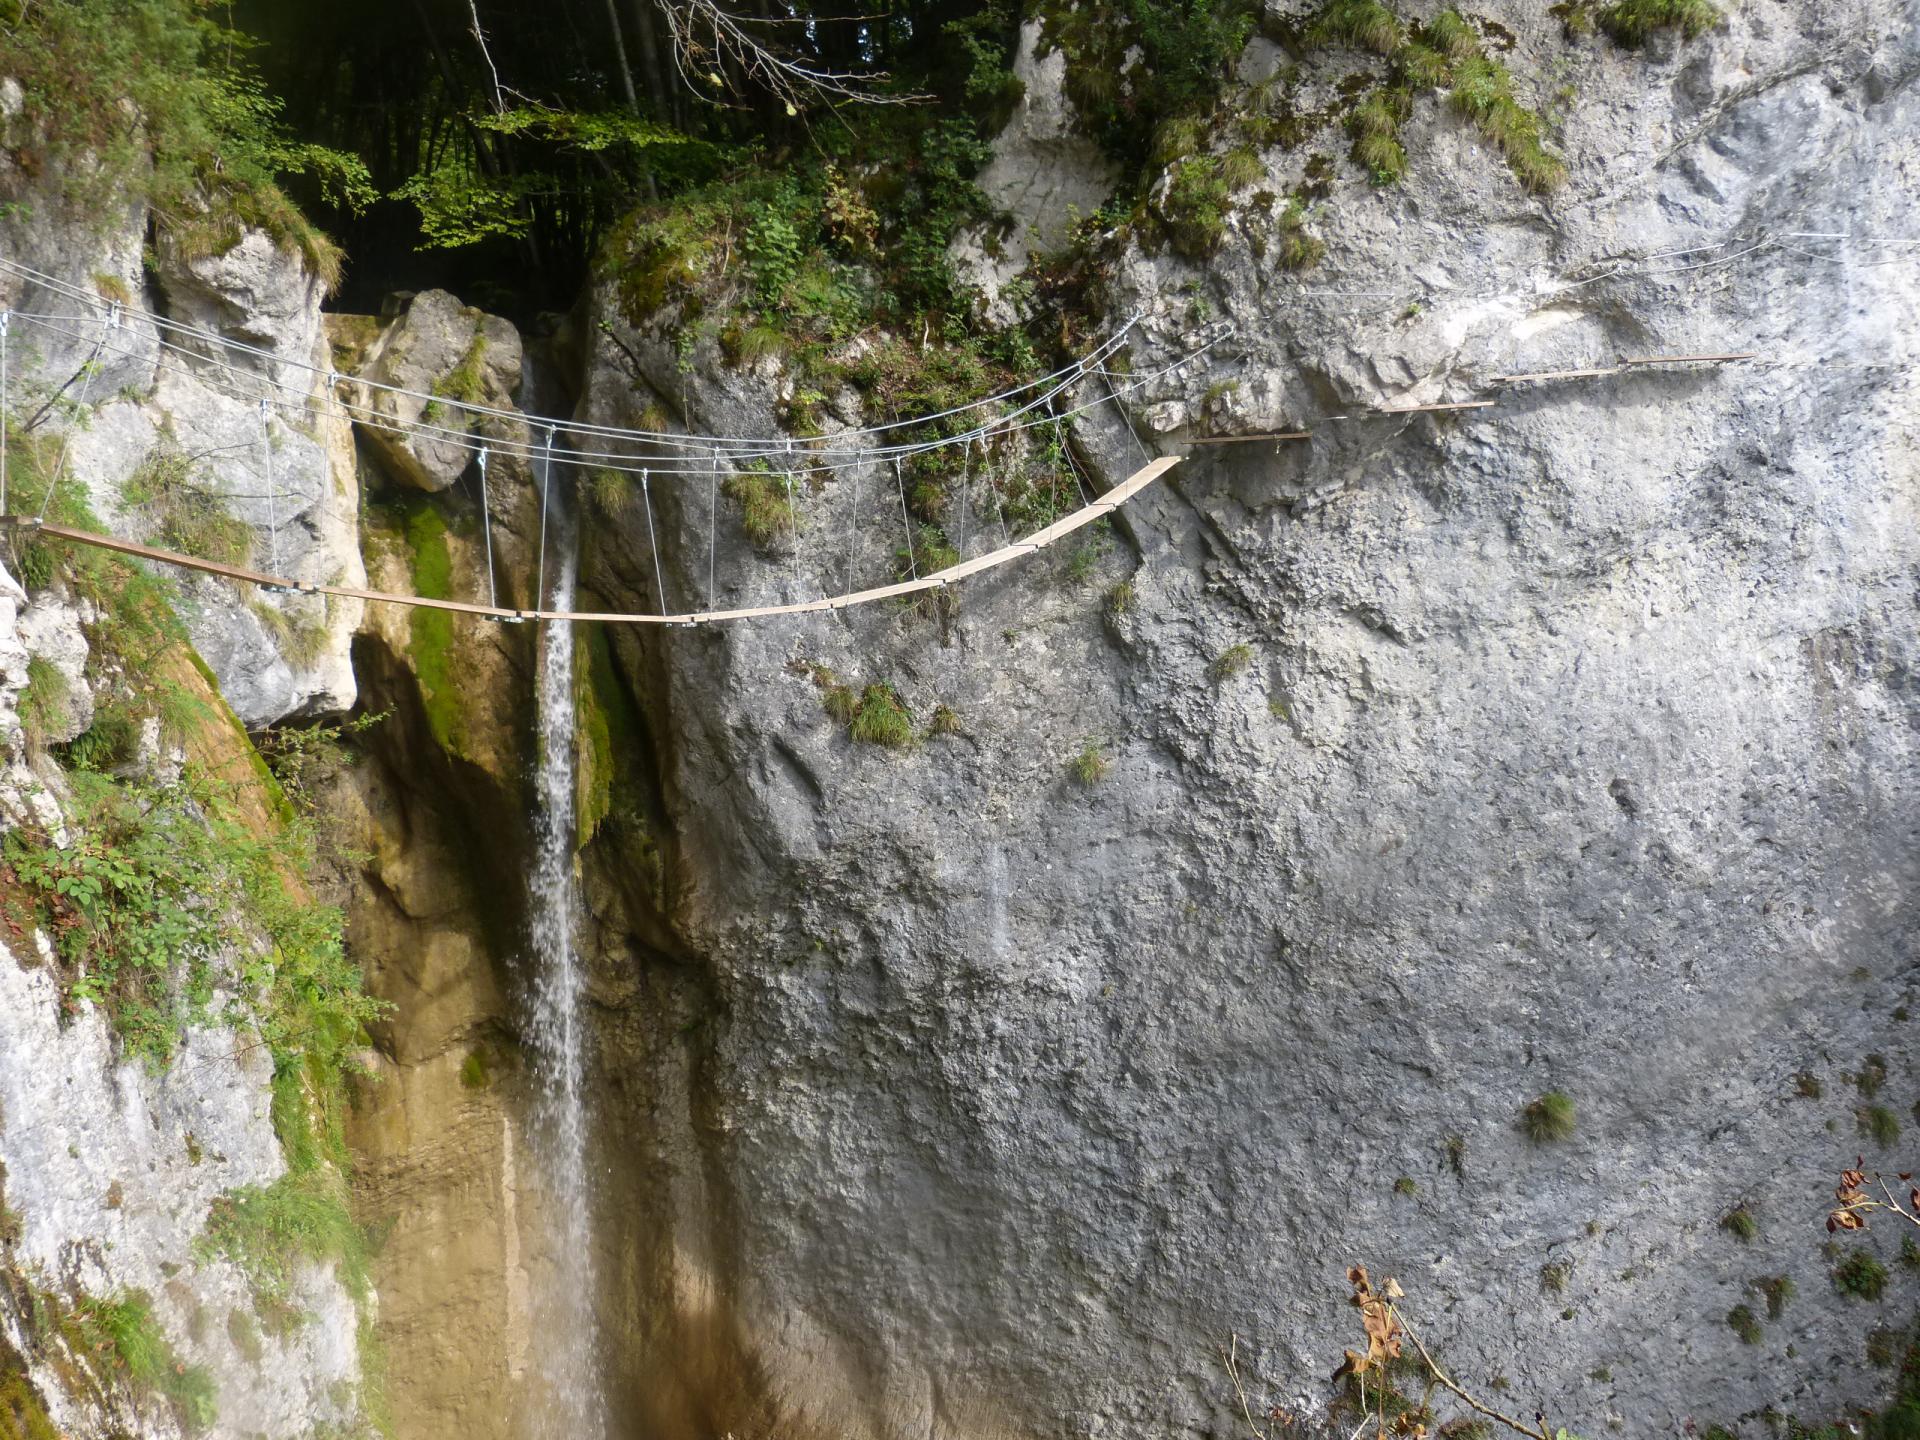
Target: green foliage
(1548, 1119)
(1121, 598)
(1134, 65)
(466, 381)
(123, 1331)
(1232, 661)
(156, 884)
(1739, 1223)
(1483, 92)
(766, 504)
(44, 700)
(1740, 1319)
(1554, 1276)
(1871, 1078)
(1195, 206)
(209, 147)
(185, 514)
(1362, 24)
(943, 722)
(1777, 1290)
(1878, 1123)
(1406, 1185)
(430, 646)
(23, 1415)
(1090, 766)
(1859, 1276)
(1633, 22)
(268, 1230)
(243, 1331)
(880, 719)
(1375, 127)
(474, 1074)
(1298, 249)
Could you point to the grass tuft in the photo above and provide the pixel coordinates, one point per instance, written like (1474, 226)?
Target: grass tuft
(1634, 22)
(1090, 766)
(1548, 1119)
(1860, 1277)
(1739, 1223)
(766, 504)
(1878, 1124)
(881, 719)
(1777, 1290)
(1740, 1319)
(1363, 24)
(1232, 661)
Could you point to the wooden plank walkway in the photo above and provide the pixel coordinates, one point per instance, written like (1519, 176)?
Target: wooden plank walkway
(1038, 540)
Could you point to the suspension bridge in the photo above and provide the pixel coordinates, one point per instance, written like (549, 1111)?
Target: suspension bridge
(251, 374)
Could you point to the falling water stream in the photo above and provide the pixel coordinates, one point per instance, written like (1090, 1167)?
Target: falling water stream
(567, 1404)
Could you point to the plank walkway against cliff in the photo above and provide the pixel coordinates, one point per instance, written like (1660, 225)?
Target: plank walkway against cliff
(173, 347)
(1038, 540)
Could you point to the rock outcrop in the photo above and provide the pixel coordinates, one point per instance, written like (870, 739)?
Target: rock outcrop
(1453, 760)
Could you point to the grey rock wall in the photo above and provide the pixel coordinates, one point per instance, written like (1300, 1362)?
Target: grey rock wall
(1576, 751)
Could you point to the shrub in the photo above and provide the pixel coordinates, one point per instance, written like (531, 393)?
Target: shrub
(156, 883)
(1741, 1321)
(1860, 1277)
(1090, 766)
(1548, 1119)
(1739, 1223)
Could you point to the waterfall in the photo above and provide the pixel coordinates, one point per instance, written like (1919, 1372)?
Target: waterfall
(566, 1403)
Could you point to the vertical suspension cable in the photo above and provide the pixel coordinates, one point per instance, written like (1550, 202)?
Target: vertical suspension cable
(966, 464)
(1125, 419)
(713, 523)
(66, 440)
(273, 500)
(906, 521)
(486, 526)
(653, 544)
(546, 490)
(853, 524)
(6, 324)
(1006, 535)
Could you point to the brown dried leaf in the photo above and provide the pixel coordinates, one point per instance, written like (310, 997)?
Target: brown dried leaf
(1844, 1220)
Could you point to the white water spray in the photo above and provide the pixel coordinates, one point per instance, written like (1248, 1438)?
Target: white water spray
(566, 1402)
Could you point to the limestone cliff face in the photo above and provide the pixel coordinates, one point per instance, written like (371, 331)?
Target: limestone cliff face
(111, 1168)
(1571, 749)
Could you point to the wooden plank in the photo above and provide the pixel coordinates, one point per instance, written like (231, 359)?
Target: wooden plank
(1422, 409)
(1255, 438)
(1086, 515)
(1687, 359)
(1551, 375)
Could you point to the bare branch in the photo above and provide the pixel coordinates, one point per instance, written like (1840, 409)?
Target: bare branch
(709, 40)
(1539, 1432)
